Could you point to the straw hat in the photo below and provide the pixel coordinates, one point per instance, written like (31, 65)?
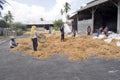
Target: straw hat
(12, 37)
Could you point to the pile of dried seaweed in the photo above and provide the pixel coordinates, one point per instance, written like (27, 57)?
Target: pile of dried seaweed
(78, 48)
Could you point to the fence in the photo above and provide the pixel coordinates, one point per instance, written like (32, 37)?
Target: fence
(8, 32)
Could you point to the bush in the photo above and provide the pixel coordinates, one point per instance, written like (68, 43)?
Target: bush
(18, 25)
(3, 24)
(57, 24)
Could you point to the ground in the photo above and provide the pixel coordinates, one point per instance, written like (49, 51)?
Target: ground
(18, 66)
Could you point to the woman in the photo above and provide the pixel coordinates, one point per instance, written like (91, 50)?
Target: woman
(34, 36)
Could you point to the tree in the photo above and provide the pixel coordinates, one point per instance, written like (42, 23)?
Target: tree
(57, 24)
(67, 7)
(61, 11)
(8, 18)
(2, 2)
(18, 25)
(68, 16)
(41, 19)
(2, 24)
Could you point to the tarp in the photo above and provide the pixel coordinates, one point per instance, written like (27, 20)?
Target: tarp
(67, 29)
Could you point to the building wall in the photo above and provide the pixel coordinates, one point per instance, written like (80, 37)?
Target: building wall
(83, 24)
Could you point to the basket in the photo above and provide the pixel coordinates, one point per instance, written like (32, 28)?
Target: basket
(41, 38)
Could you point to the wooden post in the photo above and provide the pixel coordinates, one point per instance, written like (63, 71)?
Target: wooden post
(77, 19)
(50, 29)
(118, 18)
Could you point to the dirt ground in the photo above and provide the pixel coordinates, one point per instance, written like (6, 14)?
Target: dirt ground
(19, 66)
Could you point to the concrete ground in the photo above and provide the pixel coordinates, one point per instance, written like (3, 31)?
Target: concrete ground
(18, 66)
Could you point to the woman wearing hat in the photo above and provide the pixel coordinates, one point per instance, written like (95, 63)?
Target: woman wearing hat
(34, 36)
(13, 42)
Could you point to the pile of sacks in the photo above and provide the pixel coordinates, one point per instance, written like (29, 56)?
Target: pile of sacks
(113, 37)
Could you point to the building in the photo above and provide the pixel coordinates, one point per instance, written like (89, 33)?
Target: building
(98, 13)
(40, 24)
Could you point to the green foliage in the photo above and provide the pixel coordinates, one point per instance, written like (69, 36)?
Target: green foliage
(3, 24)
(8, 18)
(57, 24)
(18, 25)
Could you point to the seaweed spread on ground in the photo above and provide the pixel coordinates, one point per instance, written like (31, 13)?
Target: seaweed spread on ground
(79, 48)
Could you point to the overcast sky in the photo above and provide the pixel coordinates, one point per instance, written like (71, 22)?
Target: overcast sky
(33, 10)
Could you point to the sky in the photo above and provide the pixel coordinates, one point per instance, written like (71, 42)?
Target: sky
(27, 11)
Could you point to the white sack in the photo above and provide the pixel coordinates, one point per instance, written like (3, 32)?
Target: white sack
(108, 40)
(118, 43)
(67, 29)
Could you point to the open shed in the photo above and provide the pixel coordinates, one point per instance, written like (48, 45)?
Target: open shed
(98, 13)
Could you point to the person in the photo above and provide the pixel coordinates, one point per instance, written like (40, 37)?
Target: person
(13, 43)
(62, 32)
(105, 31)
(34, 36)
(88, 30)
(99, 31)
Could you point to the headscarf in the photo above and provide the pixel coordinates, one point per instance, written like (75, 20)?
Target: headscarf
(33, 28)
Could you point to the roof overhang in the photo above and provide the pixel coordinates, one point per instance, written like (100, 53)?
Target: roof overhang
(90, 5)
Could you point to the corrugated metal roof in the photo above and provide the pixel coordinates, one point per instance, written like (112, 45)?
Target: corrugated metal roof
(89, 5)
(93, 3)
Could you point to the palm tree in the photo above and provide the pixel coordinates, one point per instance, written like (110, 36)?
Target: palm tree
(67, 7)
(2, 2)
(6, 18)
(41, 19)
(61, 11)
(10, 19)
(66, 10)
(68, 16)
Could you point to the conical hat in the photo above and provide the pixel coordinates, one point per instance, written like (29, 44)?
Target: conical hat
(12, 37)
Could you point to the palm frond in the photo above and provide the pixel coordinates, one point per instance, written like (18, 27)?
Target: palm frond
(1, 6)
